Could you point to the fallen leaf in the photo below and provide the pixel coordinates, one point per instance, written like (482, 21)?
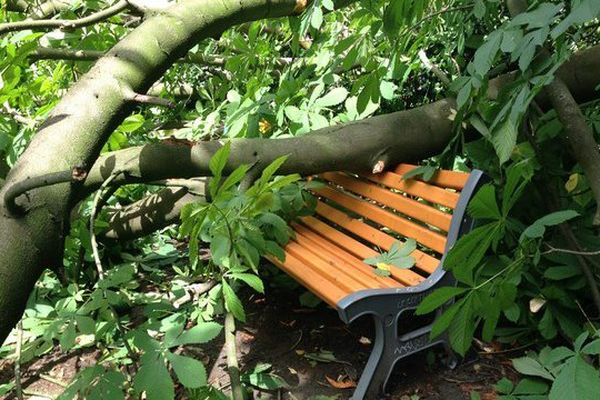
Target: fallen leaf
(364, 340)
(344, 384)
(536, 304)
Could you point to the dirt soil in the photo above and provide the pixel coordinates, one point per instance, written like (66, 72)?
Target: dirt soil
(281, 332)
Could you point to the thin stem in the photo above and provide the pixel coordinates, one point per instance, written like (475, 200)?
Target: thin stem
(233, 369)
(568, 251)
(18, 386)
(440, 12)
(98, 198)
(517, 261)
(45, 24)
(95, 209)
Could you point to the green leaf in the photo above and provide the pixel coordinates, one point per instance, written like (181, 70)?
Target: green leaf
(191, 373)
(216, 165)
(585, 11)
(484, 205)
(592, 348)
(468, 252)
(201, 333)
(463, 326)
(531, 367)
(438, 298)
(538, 228)
(67, 339)
(234, 178)
(233, 303)
(220, 247)
(333, 98)
(273, 248)
(251, 280)
(132, 123)
(577, 380)
(387, 89)
(270, 170)
(528, 387)
(219, 159)
(393, 18)
(154, 379)
(504, 140)
(443, 322)
(562, 272)
(486, 54)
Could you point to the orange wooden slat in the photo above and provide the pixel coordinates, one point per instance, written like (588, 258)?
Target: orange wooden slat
(352, 265)
(423, 260)
(421, 234)
(405, 205)
(329, 269)
(310, 279)
(405, 276)
(442, 178)
(416, 188)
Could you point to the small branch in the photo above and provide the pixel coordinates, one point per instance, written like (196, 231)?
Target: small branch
(233, 368)
(52, 379)
(444, 10)
(433, 68)
(17, 189)
(94, 243)
(18, 385)
(568, 251)
(147, 99)
(95, 209)
(16, 115)
(45, 24)
(195, 186)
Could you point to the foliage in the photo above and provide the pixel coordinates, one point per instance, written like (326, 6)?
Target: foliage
(398, 256)
(287, 77)
(556, 373)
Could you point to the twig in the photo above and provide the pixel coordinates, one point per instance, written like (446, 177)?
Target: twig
(586, 317)
(54, 380)
(581, 253)
(98, 261)
(433, 68)
(95, 208)
(147, 99)
(18, 386)
(232, 362)
(44, 24)
(442, 11)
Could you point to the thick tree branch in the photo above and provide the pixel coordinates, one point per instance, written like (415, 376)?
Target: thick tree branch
(402, 136)
(44, 24)
(37, 10)
(48, 53)
(579, 134)
(82, 121)
(148, 215)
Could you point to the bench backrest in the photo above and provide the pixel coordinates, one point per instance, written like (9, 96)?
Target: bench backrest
(363, 212)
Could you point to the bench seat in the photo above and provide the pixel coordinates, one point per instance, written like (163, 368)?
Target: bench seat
(358, 216)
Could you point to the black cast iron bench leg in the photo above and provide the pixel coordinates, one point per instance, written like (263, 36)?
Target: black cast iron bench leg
(388, 346)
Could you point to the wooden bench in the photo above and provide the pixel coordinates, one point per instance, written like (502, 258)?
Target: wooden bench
(356, 215)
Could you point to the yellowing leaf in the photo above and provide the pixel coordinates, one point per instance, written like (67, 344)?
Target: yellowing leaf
(572, 182)
(342, 384)
(383, 266)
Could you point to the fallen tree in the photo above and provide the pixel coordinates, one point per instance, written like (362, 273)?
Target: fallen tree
(35, 214)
